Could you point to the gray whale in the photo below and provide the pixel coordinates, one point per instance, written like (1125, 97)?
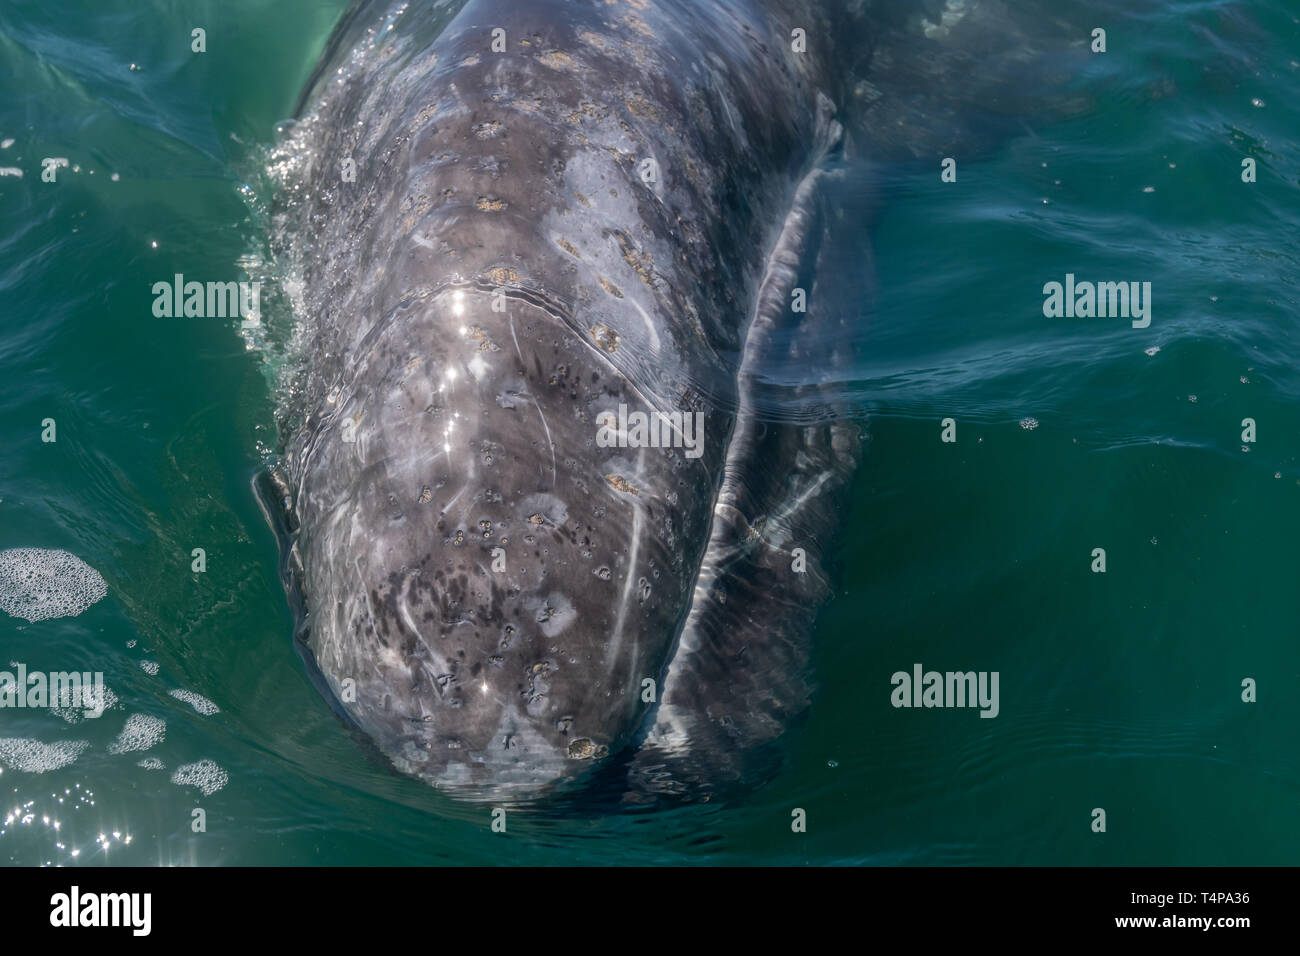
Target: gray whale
(610, 204)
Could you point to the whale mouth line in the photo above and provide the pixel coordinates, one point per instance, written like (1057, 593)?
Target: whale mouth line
(532, 296)
(544, 302)
(457, 283)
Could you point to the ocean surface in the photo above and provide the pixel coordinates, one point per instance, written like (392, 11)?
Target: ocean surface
(1120, 691)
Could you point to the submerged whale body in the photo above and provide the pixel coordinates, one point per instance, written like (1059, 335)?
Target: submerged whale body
(515, 225)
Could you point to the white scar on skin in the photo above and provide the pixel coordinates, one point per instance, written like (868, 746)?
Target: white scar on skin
(535, 405)
(637, 523)
(650, 326)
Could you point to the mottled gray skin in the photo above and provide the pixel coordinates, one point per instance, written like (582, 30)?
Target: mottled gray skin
(432, 429)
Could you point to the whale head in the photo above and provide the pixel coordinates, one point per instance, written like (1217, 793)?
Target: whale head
(495, 575)
(532, 240)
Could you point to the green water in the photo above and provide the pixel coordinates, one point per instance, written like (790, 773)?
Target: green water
(1119, 690)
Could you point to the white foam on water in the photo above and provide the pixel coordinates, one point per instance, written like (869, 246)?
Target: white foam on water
(197, 701)
(149, 667)
(74, 714)
(204, 774)
(32, 756)
(151, 763)
(37, 584)
(140, 733)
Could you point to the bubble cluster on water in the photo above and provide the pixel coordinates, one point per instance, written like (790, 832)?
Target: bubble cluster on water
(141, 732)
(197, 701)
(31, 756)
(90, 701)
(37, 584)
(204, 774)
